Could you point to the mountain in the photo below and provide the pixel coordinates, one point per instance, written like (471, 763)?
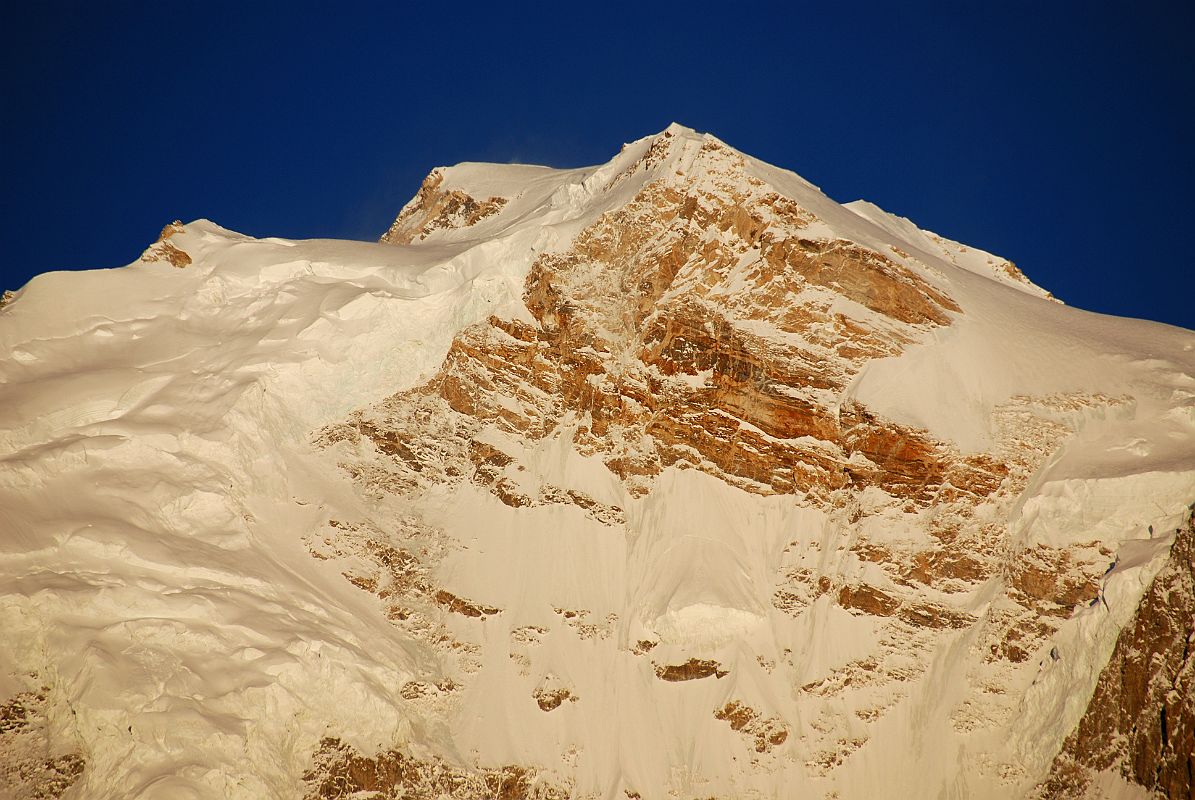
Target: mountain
(669, 477)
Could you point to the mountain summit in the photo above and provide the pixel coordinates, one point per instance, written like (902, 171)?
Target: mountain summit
(665, 478)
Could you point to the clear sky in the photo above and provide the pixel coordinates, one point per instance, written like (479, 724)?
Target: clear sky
(1056, 134)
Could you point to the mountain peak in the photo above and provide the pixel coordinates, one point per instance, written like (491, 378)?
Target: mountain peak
(676, 129)
(680, 131)
(666, 477)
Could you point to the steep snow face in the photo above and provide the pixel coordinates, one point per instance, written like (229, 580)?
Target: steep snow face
(666, 477)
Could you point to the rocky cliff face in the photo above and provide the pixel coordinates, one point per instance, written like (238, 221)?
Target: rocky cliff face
(1141, 719)
(670, 477)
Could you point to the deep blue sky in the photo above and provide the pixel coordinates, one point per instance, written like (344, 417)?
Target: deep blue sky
(1055, 134)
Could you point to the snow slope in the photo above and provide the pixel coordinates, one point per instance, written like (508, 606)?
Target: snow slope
(159, 490)
(154, 425)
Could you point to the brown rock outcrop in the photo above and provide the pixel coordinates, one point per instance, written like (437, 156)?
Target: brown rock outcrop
(692, 670)
(549, 698)
(436, 208)
(339, 772)
(164, 250)
(765, 733)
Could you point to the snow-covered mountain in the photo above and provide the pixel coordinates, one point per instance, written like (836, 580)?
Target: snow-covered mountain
(666, 478)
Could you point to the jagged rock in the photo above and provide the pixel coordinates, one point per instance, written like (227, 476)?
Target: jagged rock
(164, 250)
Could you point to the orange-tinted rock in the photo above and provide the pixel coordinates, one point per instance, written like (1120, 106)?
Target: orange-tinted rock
(339, 772)
(459, 605)
(934, 567)
(928, 615)
(163, 250)
(691, 670)
(765, 733)
(435, 208)
(1052, 575)
(549, 699)
(868, 599)
(862, 275)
